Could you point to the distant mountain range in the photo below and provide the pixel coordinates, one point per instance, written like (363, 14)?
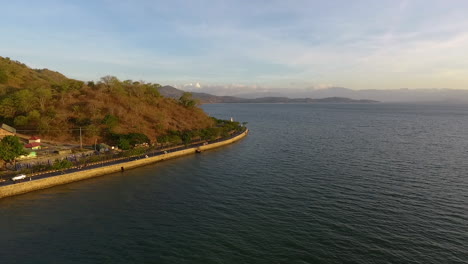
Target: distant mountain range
(403, 95)
(171, 92)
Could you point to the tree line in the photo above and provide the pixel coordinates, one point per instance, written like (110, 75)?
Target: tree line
(11, 147)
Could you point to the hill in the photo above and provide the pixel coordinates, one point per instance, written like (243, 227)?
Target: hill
(46, 103)
(205, 98)
(171, 92)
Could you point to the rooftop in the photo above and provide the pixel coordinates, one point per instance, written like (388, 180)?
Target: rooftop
(8, 128)
(32, 145)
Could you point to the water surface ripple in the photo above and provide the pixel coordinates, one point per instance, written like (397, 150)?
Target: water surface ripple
(323, 183)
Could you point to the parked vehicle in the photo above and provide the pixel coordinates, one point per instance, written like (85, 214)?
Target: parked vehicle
(19, 177)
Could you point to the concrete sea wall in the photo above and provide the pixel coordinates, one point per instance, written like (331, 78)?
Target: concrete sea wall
(29, 186)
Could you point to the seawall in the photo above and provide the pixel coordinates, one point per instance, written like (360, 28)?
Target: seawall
(29, 186)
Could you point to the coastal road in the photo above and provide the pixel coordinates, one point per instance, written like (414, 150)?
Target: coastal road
(115, 162)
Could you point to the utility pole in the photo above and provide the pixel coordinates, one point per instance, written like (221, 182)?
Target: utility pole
(81, 141)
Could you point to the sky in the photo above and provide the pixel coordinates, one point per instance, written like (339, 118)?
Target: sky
(359, 44)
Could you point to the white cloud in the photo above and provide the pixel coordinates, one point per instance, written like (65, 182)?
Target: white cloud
(252, 45)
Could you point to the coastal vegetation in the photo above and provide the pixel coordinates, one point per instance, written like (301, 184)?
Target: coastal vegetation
(130, 115)
(46, 103)
(183, 140)
(223, 128)
(10, 149)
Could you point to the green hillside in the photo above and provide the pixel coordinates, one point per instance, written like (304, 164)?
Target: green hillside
(48, 104)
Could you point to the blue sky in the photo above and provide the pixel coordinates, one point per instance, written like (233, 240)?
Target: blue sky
(273, 44)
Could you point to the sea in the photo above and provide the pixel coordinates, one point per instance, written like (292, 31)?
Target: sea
(311, 183)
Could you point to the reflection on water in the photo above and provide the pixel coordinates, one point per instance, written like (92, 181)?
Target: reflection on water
(311, 183)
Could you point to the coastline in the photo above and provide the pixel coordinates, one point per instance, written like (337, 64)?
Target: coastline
(29, 186)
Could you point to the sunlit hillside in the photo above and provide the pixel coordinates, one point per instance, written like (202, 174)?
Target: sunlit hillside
(46, 103)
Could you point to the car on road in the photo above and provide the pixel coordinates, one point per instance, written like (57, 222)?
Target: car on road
(19, 177)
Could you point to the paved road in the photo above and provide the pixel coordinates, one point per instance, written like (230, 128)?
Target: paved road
(119, 161)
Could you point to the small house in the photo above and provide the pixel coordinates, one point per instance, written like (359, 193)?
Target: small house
(33, 146)
(34, 139)
(6, 130)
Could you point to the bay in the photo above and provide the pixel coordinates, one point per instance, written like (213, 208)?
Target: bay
(312, 183)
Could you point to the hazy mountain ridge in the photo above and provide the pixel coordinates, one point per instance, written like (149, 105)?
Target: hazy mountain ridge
(171, 92)
(393, 95)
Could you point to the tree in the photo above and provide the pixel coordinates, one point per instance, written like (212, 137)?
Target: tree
(23, 101)
(123, 143)
(154, 90)
(31, 120)
(11, 148)
(20, 121)
(62, 164)
(174, 139)
(91, 84)
(186, 137)
(112, 84)
(8, 108)
(137, 138)
(43, 95)
(108, 79)
(111, 121)
(163, 139)
(92, 131)
(187, 100)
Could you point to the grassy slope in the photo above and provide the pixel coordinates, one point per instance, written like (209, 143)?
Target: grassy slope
(74, 104)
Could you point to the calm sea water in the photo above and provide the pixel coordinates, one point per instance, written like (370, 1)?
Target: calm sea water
(323, 183)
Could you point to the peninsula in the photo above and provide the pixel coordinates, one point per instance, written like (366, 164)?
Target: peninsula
(52, 125)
